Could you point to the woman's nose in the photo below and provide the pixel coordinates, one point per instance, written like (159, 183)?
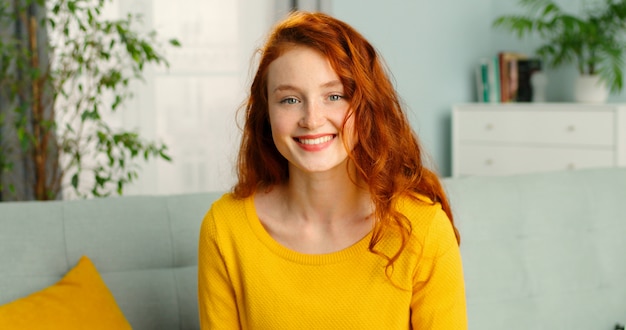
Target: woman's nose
(312, 116)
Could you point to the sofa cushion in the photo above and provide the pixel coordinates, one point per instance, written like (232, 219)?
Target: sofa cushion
(80, 300)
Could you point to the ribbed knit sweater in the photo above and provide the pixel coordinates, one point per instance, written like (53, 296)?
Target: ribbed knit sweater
(247, 280)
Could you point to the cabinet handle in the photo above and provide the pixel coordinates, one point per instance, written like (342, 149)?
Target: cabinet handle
(489, 162)
(489, 126)
(571, 128)
(571, 166)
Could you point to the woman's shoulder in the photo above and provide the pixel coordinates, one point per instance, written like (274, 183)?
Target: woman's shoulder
(226, 209)
(426, 217)
(227, 200)
(418, 207)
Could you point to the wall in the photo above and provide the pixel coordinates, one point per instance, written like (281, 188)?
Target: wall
(432, 47)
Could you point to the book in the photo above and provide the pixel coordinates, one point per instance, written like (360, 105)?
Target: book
(488, 80)
(509, 75)
(482, 80)
(494, 79)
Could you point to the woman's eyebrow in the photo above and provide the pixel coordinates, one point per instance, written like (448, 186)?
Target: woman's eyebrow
(288, 87)
(284, 87)
(332, 83)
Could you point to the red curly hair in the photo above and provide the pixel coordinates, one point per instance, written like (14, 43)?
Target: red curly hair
(387, 155)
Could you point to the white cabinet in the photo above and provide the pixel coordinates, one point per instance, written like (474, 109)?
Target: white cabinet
(500, 139)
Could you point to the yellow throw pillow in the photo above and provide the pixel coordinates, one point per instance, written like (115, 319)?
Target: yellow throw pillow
(80, 300)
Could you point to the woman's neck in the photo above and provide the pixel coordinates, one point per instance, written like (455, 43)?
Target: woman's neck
(317, 212)
(326, 197)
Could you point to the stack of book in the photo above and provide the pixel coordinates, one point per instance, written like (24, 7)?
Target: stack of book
(505, 78)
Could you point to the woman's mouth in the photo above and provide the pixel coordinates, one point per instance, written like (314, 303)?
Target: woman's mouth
(315, 141)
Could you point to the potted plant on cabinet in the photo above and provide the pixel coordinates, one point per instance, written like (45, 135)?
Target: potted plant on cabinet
(593, 40)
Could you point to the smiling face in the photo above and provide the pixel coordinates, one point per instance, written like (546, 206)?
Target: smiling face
(307, 110)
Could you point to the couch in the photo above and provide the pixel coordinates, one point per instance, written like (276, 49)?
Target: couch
(144, 248)
(540, 251)
(543, 251)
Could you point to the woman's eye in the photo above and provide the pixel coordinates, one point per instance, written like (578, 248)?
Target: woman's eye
(289, 100)
(335, 97)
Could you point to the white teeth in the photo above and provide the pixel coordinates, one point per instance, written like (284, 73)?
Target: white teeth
(319, 140)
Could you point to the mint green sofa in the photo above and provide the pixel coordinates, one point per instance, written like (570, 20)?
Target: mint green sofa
(544, 251)
(540, 251)
(144, 247)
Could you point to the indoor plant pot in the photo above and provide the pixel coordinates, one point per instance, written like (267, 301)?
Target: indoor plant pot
(590, 89)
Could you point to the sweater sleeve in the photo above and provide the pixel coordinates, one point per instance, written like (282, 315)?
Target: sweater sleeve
(438, 300)
(216, 298)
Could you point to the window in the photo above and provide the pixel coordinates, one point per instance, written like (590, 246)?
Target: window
(192, 105)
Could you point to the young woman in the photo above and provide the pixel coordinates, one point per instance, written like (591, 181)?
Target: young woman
(334, 222)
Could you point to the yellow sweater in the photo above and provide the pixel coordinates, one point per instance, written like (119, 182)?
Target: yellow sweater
(247, 280)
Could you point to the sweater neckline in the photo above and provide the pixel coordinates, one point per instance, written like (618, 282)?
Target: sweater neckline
(284, 252)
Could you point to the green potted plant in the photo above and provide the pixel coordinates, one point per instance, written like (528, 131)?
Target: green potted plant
(593, 40)
(56, 93)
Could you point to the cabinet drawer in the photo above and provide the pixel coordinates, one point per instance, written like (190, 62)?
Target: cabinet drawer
(537, 127)
(504, 160)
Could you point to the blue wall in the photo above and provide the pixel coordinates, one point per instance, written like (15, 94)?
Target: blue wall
(432, 47)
